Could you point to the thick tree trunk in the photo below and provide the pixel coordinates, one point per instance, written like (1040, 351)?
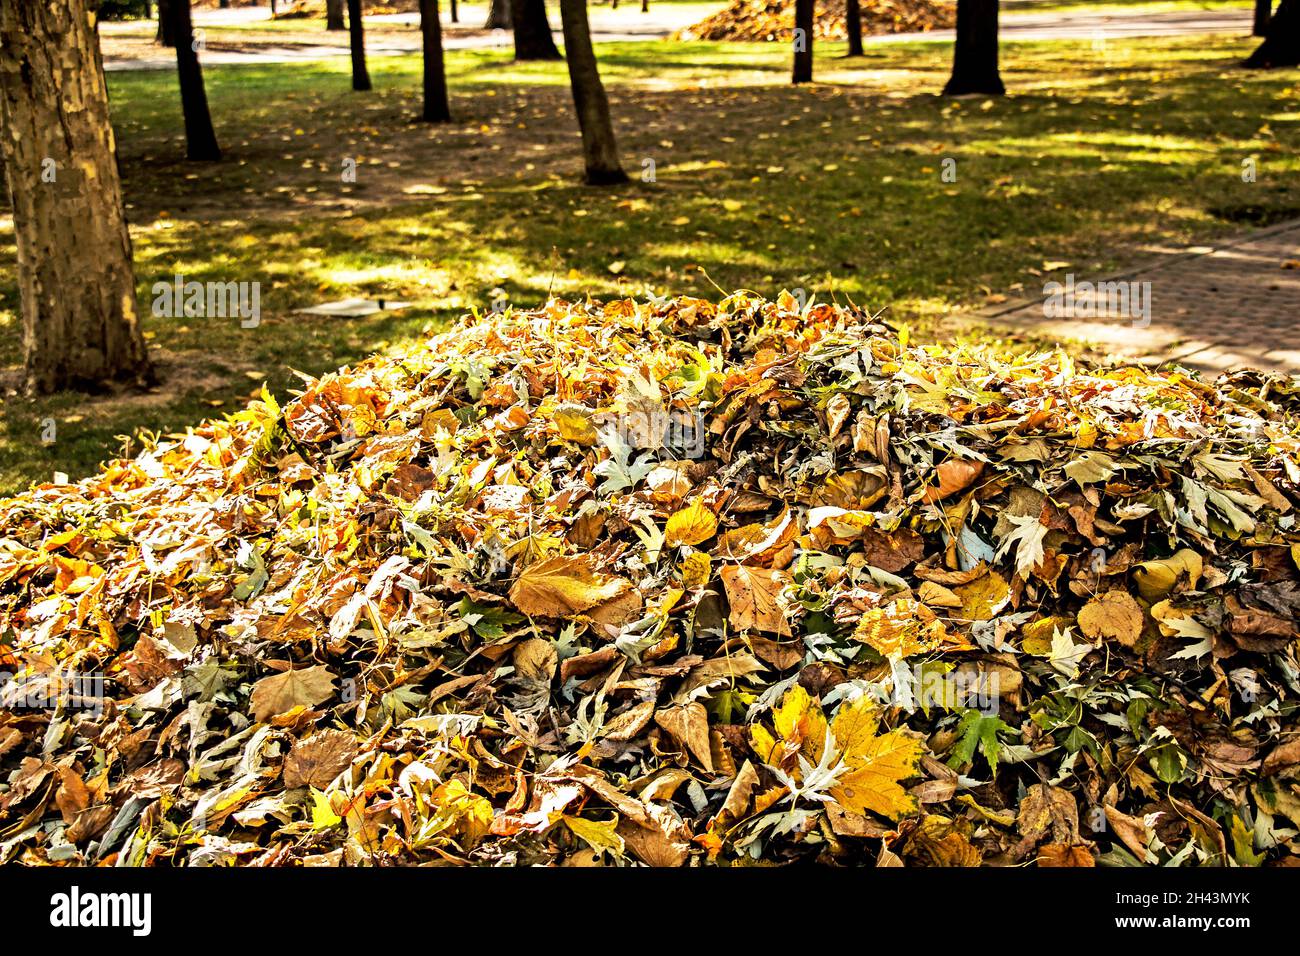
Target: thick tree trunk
(334, 15)
(200, 138)
(436, 107)
(600, 152)
(1281, 46)
(164, 35)
(853, 23)
(79, 311)
(1263, 12)
(975, 54)
(498, 17)
(533, 40)
(803, 41)
(357, 36)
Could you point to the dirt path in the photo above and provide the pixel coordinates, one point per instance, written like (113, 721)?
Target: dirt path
(1211, 308)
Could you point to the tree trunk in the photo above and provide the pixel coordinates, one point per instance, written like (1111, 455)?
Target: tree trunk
(1263, 11)
(853, 23)
(164, 35)
(455, 11)
(498, 17)
(975, 54)
(1281, 46)
(436, 107)
(533, 40)
(79, 311)
(600, 152)
(803, 41)
(357, 36)
(200, 138)
(334, 15)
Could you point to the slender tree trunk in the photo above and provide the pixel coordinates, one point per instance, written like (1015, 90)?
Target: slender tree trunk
(975, 54)
(357, 36)
(1281, 46)
(498, 17)
(164, 35)
(1263, 11)
(455, 11)
(645, 6)
(79, 310)
(533, 40)
(436, 107)
(200, 138)
(600, 152)
(334, 15)
(853, 23)
(803, 41)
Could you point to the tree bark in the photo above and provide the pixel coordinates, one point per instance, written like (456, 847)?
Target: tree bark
(164, 35)
(533, 40)
(803, 42)
(600, 152)
(436, 107)
(357, 37)
(498, 17)
(334, 15)
(1263, 12)
(455, 11)
(79, 311)
(975, 54)
(853, 23)
(200, 138)
(1281, 46)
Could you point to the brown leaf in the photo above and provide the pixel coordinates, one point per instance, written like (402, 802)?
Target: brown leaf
(279, 693)
(316, 760)
(752, 594)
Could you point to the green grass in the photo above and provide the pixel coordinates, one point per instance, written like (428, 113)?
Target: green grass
(835, 188)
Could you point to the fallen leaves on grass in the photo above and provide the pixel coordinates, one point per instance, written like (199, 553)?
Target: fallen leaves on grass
(670, 582)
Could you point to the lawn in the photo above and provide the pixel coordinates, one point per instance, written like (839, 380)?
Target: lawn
(835, 188)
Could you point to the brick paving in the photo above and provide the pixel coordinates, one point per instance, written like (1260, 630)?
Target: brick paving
(1211, 308)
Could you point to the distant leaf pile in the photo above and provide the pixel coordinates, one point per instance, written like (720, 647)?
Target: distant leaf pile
(677, 583)
(773, 20)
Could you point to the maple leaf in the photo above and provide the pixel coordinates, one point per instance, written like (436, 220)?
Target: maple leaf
(858, 768)
(1028, 539)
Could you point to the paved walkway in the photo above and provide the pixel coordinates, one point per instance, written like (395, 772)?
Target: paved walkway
(628, 23)
(1214, 309)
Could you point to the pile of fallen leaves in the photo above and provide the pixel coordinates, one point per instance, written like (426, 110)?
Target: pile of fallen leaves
(773, 20)
(672, 582)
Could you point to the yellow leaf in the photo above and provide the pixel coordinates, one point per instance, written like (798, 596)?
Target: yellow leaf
(692, 525)
(601, 837)
(876, 763)
(322, 812)
(1157, 579)
(695, 570)
(800, 722)
(563, 585)
(982, 598)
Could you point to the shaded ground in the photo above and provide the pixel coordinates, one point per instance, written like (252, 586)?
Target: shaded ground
(837, 188)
